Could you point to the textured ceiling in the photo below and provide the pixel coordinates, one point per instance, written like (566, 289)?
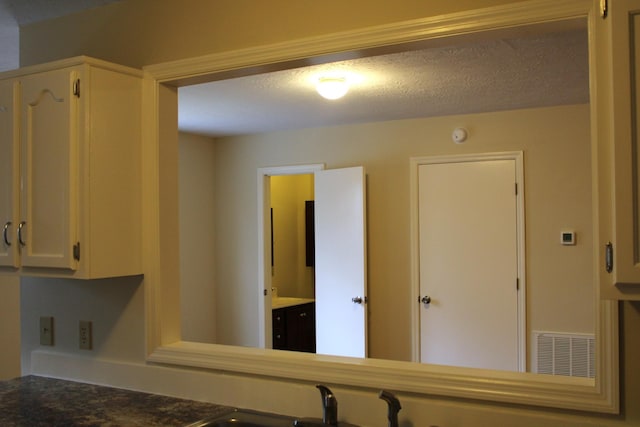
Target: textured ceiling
(504, 74)
(494, 75)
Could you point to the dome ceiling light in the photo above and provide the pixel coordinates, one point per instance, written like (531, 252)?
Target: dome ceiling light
(332, 87)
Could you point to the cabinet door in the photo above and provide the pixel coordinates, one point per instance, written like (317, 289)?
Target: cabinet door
(8, 174)
(618, 73)
(625, 22)
(301, 328)
(279, 327)
(49, 169)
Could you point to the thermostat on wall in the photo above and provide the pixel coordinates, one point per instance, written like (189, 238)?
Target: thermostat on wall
(568, 238)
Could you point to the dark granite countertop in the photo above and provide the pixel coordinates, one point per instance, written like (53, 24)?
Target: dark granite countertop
(33, 401)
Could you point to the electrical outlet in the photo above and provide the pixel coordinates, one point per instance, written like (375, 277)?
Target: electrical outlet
(84, 335)
(46, 330)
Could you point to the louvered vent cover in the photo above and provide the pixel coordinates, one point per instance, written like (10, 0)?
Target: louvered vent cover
(564, 354)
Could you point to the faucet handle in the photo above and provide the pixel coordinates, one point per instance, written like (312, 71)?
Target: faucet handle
(393, 407)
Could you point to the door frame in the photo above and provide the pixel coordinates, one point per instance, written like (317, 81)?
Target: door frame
(414, 164)
(265, 338)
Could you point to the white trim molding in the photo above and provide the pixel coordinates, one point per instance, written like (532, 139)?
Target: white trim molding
(601, 395)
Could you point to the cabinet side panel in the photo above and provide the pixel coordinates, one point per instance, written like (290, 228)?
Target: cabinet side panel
(113, 138)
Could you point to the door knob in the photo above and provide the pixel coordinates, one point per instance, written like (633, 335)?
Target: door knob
(359, 300)
(426, 300)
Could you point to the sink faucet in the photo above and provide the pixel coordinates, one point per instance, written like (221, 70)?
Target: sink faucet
(329, 406)
(329, 412)
(394, 407)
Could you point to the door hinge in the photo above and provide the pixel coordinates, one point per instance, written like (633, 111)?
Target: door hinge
(76, 88)
(516, 188)
(604, 8)
(76, 251)
(517, 283)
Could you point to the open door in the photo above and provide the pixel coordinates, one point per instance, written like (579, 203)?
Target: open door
(340, 237)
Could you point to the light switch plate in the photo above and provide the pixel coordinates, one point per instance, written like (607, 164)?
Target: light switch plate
(46, 330)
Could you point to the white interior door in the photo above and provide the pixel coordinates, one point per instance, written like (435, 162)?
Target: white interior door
(340, 263)
(469, 264)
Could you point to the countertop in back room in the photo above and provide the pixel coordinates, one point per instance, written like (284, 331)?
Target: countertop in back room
(283, 302)
(38, 401)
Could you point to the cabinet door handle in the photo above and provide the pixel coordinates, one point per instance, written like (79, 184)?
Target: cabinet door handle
(4, 233)
(20, 227)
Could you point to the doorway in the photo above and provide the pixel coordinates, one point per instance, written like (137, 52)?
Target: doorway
(292, 257)
(292, 262)
(339, 297)
(470, 261)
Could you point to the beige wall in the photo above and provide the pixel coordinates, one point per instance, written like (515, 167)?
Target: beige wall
(290, 274)
(197, 249)
(115, 306)
(143, 32)
(10, 327)
(557, 186)
(140, 32)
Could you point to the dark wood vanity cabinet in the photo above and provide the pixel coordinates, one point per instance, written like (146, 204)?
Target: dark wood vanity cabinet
(278, 322)
(294, 328)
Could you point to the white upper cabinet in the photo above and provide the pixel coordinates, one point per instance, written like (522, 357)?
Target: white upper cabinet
(618, 75)
(8, 172)
(49, 169)
(80, 170)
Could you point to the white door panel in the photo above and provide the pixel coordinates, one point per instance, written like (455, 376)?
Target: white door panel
(340, 263)
(468, 264)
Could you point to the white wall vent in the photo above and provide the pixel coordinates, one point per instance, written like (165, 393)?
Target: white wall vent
(564, 354)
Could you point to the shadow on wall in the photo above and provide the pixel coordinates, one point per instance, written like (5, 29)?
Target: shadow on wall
(115, 306)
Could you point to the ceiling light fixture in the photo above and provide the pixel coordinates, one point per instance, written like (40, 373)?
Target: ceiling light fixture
(332, 87)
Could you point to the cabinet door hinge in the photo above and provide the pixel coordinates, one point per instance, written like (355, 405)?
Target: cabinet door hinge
(608, 257)
(76, 251)
(76, 88)
(516, 188)
(517, 283)
(604, 8)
